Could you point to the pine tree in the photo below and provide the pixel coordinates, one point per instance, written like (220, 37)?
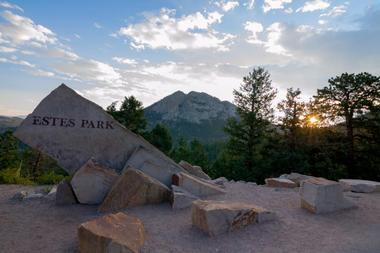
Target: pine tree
(160, 137)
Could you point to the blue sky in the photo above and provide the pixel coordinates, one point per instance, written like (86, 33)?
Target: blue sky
(106, 50)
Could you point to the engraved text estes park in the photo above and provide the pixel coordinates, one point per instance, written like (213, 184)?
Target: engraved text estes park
(68, 122)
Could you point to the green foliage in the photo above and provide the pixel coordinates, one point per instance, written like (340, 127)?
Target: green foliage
(50, 177)
(13, 176)
(9, 155)
(160, 137)
(130, 114)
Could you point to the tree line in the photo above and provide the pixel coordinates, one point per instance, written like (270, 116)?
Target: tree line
(336, 134)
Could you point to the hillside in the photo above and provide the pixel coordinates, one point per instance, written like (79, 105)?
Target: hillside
(193, 115)
(9, 123)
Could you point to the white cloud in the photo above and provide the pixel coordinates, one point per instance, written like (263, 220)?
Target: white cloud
(77, 36)
(7, 49)
(16, 61)
(188, 32)
(254, 28)
(21, 30)
(227, 6)
(250, 4)
(11, 6)
(322, 22)
(314, 5)
(97, 25)
(275, 4)
(127, 61)
(336, 11)
(288, 10)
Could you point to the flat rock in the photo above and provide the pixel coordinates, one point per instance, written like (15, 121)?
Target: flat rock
(220, 181)
(153, 165)
(92, 182)
(296, 177)
(194, 170)
(196, 186)
(20, 195)
(180, 198)
(134, 188)
(112, 233)
(280, 183)
(72, 129)
(361, 186)
(319, 195)
(65, 194)
(217, 217)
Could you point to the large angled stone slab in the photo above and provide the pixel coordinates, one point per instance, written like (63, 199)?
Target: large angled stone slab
(296, 177)
(217, 217)
(280, 183)
(358, 185)
(194, 170)
(180, 198)
(134, 188)
(72, 129)
(319, 195)
(153, 165)
(196, 186)
(112, 233)
(65, 194)
(92, 182)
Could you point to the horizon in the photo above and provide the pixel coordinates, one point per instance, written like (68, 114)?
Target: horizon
(106, 51)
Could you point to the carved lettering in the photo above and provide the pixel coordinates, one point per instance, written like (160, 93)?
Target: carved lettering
(70, 123)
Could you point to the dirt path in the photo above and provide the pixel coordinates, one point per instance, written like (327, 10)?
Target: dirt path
(40, 226)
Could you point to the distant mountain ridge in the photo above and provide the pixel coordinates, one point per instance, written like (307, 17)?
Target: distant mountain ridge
(193, 115)
(9, 123)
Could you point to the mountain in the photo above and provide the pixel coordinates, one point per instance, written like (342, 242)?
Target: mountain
(193, 115)
(9, 123)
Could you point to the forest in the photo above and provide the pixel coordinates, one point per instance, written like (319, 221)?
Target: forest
(336, 134)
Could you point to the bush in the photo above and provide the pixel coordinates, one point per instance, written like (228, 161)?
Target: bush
(49, 177)
(13, 176)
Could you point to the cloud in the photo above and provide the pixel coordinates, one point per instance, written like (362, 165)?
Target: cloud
(97, 25)
(16, 61)
(250, 4)
(187, 32)
(7, 49)
(20, 30)
(314, 5)
(336, 11)
(227, 6)
(254, 28)
(275, 4)
(127, 61)
(11, 6)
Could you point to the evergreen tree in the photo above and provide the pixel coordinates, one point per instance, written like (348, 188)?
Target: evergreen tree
(9, 154)
(130, 114)
(198, 155)
(160, 137)
(348, 96)
(181, 152)
(253, 101)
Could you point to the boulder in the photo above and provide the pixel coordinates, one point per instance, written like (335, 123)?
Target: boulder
(65, 194)
(112, 233)
(134, 188)
(34, 195)
(280, 183)
(153, 165)
(72, 129)
(217, 217)
(92, 182)
(220, 181)
(194, 170)
(319, 195)
(181, 198)
(358, 185)
(196, 186)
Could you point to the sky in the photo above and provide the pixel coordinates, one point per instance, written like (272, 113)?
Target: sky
(106, 50)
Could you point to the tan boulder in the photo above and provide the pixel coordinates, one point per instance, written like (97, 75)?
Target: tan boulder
(196, 186)
(112, 233)
(134, 188)
(319, 195)
(217, 217)
(194, 170)
(280, 183)
(92, 182)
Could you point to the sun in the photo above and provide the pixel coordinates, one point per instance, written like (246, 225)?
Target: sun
(313, 120)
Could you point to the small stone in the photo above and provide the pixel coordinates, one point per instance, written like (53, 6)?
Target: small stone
(20, 195)
(360, 186)
(196, 186)
(181, 198)
(112, 233)
(280, 182)
(217, 217)
(319, 195)
(134, 188)
(194, 170)
(65, 194)
(92, 182)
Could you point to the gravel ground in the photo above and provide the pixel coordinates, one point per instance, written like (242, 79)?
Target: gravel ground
(39, 226)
